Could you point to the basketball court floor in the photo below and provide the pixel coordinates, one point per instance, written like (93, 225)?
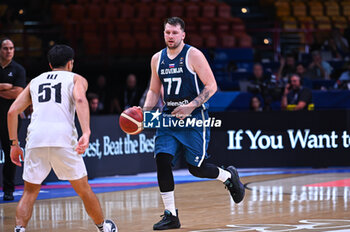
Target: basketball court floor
(293, 199)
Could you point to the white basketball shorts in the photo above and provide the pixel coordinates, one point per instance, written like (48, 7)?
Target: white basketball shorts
(66, 163)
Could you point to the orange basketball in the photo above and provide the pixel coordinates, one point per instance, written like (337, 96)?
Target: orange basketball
(131, 120)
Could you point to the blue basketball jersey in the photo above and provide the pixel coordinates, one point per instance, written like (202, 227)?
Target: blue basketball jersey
(181, 84)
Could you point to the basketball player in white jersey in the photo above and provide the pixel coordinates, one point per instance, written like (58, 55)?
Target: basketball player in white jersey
(52, 136)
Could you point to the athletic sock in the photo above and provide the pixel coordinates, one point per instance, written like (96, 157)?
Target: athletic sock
(100, 226)
(223, 175)
(20, 229)
(169, 201)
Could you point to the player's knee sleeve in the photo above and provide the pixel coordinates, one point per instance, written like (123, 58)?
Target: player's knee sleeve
(164, 172)
(206, 170)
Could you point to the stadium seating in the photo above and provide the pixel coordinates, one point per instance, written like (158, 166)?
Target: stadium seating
(208, 10)
(110, 11)
(339, 22)
(345, 5)
(59, 13)
(192, 10)
(323, 22)
(195, 40)
(94, 12)
(138, 26)
(299, 9)
(306, 22)
(207, 22)
(76, 12)
(127, 11)
(245, 41)
(289, 22)
(92, 45)
(112, 45)
(316, 8)
(282, 8)
(210, 41)
(160, 11)
(143, 43)
(332, 8)
(3, 8)
(223, 10)
(227, 41)
(176, 10)
(143, 10)
(127, 44)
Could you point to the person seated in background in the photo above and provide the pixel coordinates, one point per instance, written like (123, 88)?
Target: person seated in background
(102, 89)
(255, 104)
(287, 67)
(93, 103)
(337, 44)
(129, 97)
(265, 85)
(295, 96)
(347, 35)
(301, 70)
(160, 102)
(259, 76)
(344, 80)
(319, 69)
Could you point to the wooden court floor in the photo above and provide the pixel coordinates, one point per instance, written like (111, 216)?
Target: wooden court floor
(272, 203)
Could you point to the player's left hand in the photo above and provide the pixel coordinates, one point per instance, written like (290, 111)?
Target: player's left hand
(183, 111)
(16, 152)
(83, 144)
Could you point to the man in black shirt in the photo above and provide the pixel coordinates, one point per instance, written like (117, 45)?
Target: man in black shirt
(295, 96)
(12, 83)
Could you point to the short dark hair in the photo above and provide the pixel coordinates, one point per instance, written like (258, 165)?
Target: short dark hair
(59, 55)
(92, 96)
(3, 39)
(295, 75)
(175, 21)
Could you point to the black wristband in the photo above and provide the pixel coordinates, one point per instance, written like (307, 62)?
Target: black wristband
(13, 142)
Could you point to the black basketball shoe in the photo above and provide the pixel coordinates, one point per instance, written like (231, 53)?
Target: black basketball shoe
(168, 221)
(234, 185)
(8, 196)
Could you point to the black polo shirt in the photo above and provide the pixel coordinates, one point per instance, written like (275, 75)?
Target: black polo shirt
(14, 74)
(302, 94)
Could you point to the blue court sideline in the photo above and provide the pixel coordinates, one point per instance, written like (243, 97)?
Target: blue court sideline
(119, 183)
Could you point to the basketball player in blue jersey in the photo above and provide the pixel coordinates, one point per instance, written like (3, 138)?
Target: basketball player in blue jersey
(188, 83)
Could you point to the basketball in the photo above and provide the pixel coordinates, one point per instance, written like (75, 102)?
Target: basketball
(131, 120)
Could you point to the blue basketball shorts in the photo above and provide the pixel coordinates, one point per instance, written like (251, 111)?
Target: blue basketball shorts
(192, 142)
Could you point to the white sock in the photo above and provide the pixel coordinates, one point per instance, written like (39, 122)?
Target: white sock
(169, 201)
(223, 175)
(20, 229)
(100, 226)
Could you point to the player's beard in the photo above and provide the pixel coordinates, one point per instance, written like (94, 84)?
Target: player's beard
(174, 46)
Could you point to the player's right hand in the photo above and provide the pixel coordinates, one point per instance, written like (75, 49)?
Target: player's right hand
(16, 152)
(83, 144)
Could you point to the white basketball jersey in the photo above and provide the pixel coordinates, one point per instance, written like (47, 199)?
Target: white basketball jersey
(52, 122)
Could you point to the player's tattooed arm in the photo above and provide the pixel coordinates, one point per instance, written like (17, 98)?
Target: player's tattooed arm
(200, 66)
(202, 97)
(183, 111)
